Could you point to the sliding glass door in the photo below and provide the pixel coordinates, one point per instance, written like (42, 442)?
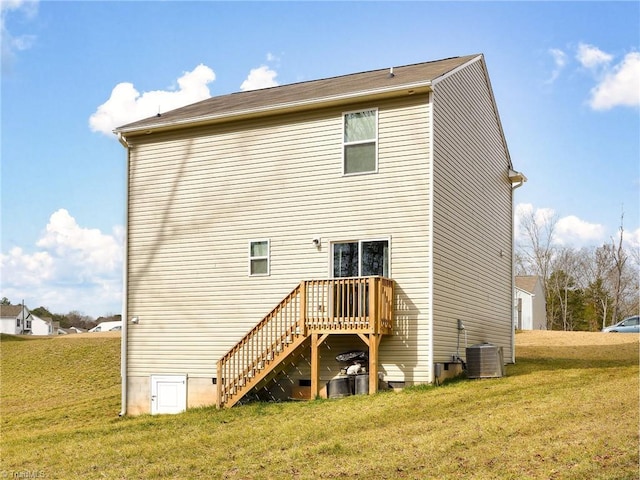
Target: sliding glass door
(362, 258)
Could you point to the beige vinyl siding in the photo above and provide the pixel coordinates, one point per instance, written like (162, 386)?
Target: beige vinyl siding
(472, 220)
(198, 197)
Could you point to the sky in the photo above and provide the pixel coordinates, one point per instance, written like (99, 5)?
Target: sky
(565, 76)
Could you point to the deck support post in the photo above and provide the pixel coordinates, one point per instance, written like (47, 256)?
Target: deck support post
(374, 343)
(374, 338)
(219, 385)
(315, 367)
(316, 341)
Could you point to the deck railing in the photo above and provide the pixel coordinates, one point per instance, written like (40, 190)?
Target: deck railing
(343, 305)
(349, 305)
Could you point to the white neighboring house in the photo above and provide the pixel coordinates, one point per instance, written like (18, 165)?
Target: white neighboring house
(70, 330)
(107, 327)
(43, 326)
(15, 319)
(531, 306)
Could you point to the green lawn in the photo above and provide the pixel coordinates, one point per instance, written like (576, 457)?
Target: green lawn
(567, 410)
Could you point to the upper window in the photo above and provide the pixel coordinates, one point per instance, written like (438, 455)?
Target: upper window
(259, 257)
(360, 142)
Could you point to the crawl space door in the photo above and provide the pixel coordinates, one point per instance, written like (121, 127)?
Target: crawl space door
(168, 394)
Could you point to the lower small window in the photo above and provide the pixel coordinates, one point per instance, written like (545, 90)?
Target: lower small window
(259, 257)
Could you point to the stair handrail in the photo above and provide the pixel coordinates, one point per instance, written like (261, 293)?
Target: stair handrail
(232, 371)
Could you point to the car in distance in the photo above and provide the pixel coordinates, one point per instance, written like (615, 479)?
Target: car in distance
(628, 325)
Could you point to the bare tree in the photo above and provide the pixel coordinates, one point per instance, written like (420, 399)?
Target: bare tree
(619, 261)
(537, 254)
(562, 286)
(596, 278)
(585, 289)
(633, 294)
(79, 319)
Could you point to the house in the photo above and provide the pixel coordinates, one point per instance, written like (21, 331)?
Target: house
(43, 326)
(18, 320)
(107, 327)
(15, 319)
(269, 231)
(531, 305)
(70, 331)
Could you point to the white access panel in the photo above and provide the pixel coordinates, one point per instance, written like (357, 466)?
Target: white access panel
(168, 394)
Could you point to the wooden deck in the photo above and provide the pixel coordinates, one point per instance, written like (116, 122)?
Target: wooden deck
(360, 306)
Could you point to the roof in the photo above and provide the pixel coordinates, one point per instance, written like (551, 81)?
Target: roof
(10, 310)
(300, 95)
(526, 282)
(44, 319)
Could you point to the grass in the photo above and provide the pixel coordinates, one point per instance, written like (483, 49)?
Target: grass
(568, 409)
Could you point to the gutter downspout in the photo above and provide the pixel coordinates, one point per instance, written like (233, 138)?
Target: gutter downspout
(517, 180)
(431, 194)
(431, 100)
(125, 268)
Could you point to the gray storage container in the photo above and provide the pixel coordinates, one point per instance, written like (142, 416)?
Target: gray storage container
(362, 384)
(339, 387)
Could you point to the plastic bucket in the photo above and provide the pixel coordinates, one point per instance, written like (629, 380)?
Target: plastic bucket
(362, 384)
(339, 387)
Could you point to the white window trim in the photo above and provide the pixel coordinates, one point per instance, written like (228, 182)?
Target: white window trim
(359, 242)
(344, 144)
(266, 257)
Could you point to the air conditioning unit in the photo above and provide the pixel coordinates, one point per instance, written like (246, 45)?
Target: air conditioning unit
(485, 360)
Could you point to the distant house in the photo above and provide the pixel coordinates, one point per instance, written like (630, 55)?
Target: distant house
(44, 326)
(70, 331)
(107, 327)
(15, 319)
(270, 230)
(531, 306)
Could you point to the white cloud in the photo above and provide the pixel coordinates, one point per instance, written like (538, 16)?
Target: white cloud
(13, 43)
(96, 252)
(620, 85)
(633, 239)
(559, 61)
(74, 268)
(541, 215)
(616, 84)
(261, 77)
(126, 104)
(592, 57)
(574, 231)
(569, 231)
(20, 268)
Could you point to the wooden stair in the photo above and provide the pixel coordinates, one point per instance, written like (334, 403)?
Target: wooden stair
(261, 350)
(362, 306)
(277, 378)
